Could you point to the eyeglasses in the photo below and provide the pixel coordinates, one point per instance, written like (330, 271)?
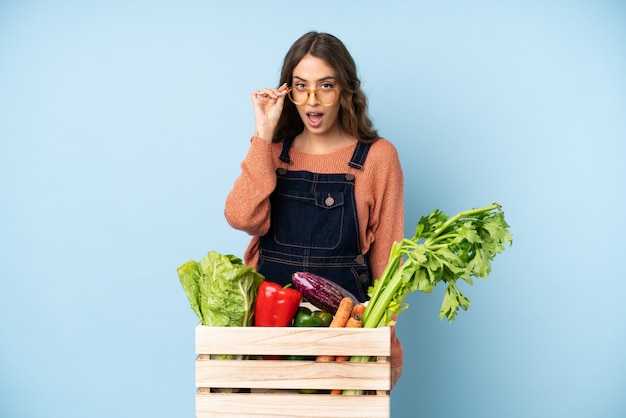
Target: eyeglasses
(325, 96)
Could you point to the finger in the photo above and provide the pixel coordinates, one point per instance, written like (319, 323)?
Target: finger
(258, 94)
(273, 93)
(270, 93)
(264, 95)
(283, 95)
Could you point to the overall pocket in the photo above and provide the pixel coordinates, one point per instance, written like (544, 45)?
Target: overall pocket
(312, 220)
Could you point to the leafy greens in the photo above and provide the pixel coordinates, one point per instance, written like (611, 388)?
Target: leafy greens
(442, 250)
(221, 289)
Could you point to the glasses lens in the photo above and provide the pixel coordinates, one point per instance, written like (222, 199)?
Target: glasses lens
(327, 96)
(324, 96)
(298, 95)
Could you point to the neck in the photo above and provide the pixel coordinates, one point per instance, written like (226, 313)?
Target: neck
(310, 143)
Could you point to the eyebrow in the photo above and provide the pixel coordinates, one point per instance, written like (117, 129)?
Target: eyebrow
(321, 79)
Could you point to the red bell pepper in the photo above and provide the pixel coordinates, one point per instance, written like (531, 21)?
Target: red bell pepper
(275, 306)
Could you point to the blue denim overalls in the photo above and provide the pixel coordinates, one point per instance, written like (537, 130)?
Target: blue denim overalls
(314, 227)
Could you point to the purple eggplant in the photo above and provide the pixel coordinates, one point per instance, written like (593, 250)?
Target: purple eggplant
(320, 291)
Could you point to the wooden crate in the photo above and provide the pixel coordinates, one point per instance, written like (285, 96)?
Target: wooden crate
(271, 388)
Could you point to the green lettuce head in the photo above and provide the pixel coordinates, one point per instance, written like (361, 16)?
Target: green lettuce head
(221, 289)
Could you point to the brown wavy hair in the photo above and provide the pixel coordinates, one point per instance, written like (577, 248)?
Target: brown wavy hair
(353, 118)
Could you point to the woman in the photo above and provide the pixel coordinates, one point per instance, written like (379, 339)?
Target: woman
(319, 191)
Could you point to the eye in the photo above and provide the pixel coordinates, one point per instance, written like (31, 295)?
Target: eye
(299, 86)
(327, 86)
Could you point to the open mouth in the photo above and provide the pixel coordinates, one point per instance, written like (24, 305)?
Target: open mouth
(315, 118)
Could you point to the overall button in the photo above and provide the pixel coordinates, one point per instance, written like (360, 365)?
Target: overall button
(363, 278)
(329, 200)
(349, 176)
(282, 171)
(360, 259)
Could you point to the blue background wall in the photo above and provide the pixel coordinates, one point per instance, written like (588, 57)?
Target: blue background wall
(122, 126)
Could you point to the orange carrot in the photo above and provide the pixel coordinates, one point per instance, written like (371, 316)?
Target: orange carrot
(343, 313)
(357, 311)
(339, 321)
(354, 323)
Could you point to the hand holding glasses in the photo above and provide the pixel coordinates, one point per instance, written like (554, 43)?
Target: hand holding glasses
(268, 104)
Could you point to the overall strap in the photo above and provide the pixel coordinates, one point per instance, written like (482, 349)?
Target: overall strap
(359, 155)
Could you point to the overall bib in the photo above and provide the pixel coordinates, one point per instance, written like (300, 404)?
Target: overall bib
(314, 227)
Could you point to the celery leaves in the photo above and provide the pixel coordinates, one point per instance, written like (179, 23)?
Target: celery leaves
(442, 250)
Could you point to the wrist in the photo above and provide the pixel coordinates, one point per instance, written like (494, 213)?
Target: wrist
(265, 134)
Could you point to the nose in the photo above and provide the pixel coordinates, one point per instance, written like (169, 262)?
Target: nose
(312, 98)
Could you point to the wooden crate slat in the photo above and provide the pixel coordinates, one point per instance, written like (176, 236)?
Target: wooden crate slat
(292, 340)
(276, 405)
(291, 374)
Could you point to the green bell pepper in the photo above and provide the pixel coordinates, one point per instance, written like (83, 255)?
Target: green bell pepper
(326, 317)
(305, 318)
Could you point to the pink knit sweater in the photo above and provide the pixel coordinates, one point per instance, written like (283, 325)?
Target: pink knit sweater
(379, 197)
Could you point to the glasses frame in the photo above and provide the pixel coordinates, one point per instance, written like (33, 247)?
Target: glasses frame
(308, 95)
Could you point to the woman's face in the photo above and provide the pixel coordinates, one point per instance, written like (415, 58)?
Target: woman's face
(314, 73)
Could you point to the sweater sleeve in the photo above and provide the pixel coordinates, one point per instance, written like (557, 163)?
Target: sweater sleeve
(387, 226)
(248, 205)
(386, 221)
